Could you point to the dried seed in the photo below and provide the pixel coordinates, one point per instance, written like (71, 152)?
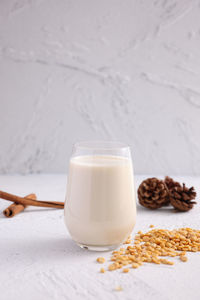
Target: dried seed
(153, 245)
(118, 288)
(135, 265)
(101, 260)
(102, 270)
(126, 270)
(183, 258)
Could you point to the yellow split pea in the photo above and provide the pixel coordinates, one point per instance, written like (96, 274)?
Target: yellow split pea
(102, 270)
(101, 260)
(153, 246)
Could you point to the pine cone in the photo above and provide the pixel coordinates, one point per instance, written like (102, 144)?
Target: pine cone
(170, 183)
(153, 193)
(180, 197)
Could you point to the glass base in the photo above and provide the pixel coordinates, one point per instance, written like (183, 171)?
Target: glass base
(98, 248)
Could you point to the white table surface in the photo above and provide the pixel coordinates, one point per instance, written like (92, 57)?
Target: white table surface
(38, 260)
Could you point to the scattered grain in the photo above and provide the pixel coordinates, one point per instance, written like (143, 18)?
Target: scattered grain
(126, 270)
(135, 265)
(101, 260)
(183, 258)
(153, 246)
(118, 288)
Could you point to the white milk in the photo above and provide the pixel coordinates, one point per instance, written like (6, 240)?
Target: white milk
(100, 203)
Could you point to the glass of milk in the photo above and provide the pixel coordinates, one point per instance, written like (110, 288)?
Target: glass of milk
(100, 209)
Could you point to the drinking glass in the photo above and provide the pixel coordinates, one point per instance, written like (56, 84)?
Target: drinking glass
(100, 209)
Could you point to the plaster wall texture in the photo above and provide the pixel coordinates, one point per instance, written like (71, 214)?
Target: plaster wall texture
(116, 70)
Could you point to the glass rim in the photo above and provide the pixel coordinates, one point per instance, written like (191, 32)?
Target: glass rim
(101, 145)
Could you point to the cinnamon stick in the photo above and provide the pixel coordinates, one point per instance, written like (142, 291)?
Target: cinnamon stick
(16, 208)
(26, 201)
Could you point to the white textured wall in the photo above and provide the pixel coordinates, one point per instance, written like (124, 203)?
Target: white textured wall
(110, 69)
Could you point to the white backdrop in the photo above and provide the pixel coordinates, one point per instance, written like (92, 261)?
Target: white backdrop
(126, 70)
